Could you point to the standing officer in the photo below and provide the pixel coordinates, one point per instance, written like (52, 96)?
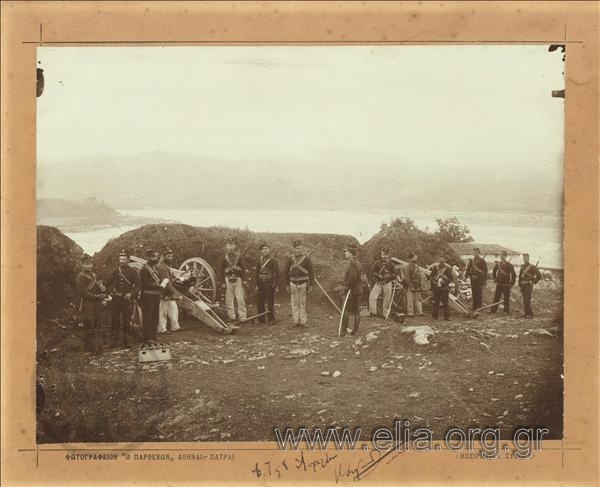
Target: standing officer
(151, 294)
(125, 285)
(352, 283)
(384, 273)
(414, 287)
(440, 278)
(505, 276)
(299, 274)
(477, 272)
(168, 306)
(529, 275)
(267, 278)
(233, 272)
(91, 291)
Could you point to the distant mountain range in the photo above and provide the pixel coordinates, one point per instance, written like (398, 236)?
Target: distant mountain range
(167, 180)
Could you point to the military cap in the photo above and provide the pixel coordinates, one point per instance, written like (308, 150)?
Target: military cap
(263, 245)
(123, 253)
(231, 241)
(167, 251)
(85, 258)
(385, 250)
(476, 249)
(149, 251)
(411, 255)
(297, 243)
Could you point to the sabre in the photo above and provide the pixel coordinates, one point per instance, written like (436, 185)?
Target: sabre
(343, 311)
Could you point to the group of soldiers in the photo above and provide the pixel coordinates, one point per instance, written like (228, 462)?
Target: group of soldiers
(152, 288)
(386, 273)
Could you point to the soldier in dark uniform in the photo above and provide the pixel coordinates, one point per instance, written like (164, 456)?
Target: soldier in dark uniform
(267, 279)
(124, 282)
(529, 275)
(354, 284)
(384, 274)
(477, 272)
(151, 296)
(300, 277)
(505, 276)
(440, 278)
(92, 292)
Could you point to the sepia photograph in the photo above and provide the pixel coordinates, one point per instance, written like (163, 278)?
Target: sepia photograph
(298, 243)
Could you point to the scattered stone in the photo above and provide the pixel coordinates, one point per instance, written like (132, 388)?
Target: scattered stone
(197, 391)
(537, 331)
(325, 373)
(471, 389)
(518, 396)
(337, 373)
(494, 399)
(371, 337)
(421, 333)
(225, 435)
(414, 395)
(373, 368)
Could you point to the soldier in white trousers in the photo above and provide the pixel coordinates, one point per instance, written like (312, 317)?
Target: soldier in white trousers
(384, 274)
(300, 276)
(233, 274)
(414, 287)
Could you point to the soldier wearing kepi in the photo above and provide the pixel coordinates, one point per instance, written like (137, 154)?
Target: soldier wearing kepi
(384, 273)
(477, 272)
(167, 310)
(150, 298)
(352, 283)
(267, 278)
(92, 292)
(233, 272)
(414, 287)
(505, 276)
(299, 274)
(124, 282)
(441, 276)
(529, 275)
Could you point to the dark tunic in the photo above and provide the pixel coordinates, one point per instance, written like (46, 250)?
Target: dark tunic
(299, 270)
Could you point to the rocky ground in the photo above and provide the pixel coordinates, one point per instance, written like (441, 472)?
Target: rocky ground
(492, 371)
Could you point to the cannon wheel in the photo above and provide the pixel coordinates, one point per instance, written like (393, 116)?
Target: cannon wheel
(205, 284)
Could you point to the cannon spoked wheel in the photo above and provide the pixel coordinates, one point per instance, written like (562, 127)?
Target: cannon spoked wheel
(202, 281)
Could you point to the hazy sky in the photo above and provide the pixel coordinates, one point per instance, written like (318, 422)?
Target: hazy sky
(433, 105)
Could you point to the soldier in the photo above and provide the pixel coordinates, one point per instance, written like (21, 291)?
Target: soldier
(299, 274)
(504, 275)
(384, 274)
(233, 272)
(414, 287)
(150, 298)
(267, 278)
(167, 310)
(125, 285)
(352, 283)
(477, 272)
(92, 292)
(529, 275)
(440, 279)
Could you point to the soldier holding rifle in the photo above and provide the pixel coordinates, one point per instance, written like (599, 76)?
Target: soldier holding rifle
(505, 276)
(299, 274)
(124, 282)
(92, 293)
(353, 287)
(384, 273)
(529, 275)
(267, 278)
(233, 272)
(151, 294)
(440, 278)
(477, 272)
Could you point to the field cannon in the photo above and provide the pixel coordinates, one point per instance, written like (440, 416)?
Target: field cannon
(195, 285)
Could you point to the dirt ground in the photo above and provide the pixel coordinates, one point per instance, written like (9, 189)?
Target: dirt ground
(493, 371)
